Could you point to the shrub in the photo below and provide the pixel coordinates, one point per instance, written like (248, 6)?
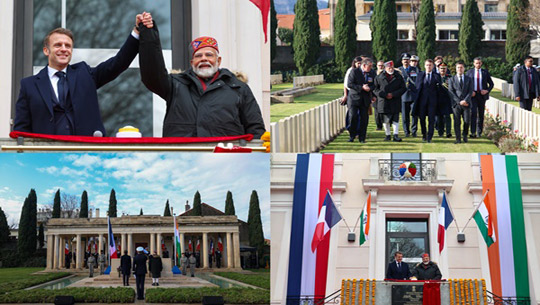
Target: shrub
(332, 73)
(29, 282)
(510, 143)
(498, 68)
(258, 279)
(194, 295)
(81, 295)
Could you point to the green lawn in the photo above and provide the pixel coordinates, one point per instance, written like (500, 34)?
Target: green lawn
(12, 274)
(324, 94)
(256, 279)
(375, 143)
(283, 86)
(497, 94)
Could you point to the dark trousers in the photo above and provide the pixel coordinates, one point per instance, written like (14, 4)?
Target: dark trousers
(444, 123)
(378, 116)
(526, 103)
(125, 279)
(139, 281)
(431, 126)
(358, 119)
(461, 112)
(477, 114)
(406, 118)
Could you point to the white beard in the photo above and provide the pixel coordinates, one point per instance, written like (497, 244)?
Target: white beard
(205, 72)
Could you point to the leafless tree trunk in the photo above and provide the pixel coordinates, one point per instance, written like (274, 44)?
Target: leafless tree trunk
(532, 19)
(69, 204)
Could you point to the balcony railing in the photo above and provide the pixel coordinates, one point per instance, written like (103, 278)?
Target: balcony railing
(407, 170)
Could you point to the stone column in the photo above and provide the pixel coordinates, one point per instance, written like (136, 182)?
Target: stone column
(79, 253)
(182, 242)
(55, 251)
(123, 243)
(229, 251)
(61, 250)
(152, 242)
(236, 242)
(100, 245)
(130, 244)
(50, 251)
(204, 250)
(158, 241)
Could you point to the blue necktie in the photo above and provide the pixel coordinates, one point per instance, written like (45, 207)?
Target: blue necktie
(62, 88)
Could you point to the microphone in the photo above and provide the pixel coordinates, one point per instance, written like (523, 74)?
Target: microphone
(98, 133)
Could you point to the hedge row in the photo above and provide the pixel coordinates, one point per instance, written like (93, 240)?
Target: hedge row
(81, 295)
(29, 282)
(257, 279)
(194, 295)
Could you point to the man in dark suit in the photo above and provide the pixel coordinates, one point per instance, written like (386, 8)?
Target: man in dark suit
(361, 83)
(483, 84)
(125, 265)
(526, 84)
(139, 269)
(398, 270)
(460, 89)
(62, 98)
(428, 85)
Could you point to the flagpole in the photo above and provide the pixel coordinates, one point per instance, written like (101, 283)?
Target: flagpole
(339, 212)
(451, 210)
(358, 219)
(475, 210)
(109, 238)
(174, 243)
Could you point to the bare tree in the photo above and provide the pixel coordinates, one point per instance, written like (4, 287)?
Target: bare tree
(415, 12)
(532, 18)
(69, 204)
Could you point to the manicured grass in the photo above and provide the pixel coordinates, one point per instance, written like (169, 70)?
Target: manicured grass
(283, 86)
(498, 95)
(194, 295)
(12, 274)
(256, 279)
(375, 143)
(324, 94)
(81, 295)
(26, 279)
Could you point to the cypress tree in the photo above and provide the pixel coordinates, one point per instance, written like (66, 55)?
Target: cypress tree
(229, 204)
(4, 228)
(32, 215)
(141, 212)
(470, 32)
(273, 29)
(112, 204)
(167, 211)
(41, 236)
(345, 33)
(256, 235)
(56, 210)
(84, 205)
(306, 41)
(197, 207)
(425, 37)
(517, 39)
(384, 30)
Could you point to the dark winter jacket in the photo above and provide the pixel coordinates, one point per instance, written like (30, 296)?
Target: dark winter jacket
(226, 108)
(396, 86)
(427, 272)
(155, 265)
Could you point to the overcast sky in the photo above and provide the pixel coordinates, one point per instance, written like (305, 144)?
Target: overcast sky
(141, 180)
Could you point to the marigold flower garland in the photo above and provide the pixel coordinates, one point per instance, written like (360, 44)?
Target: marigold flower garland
(477, 291)
(373, 292)
(367, 291)
(353, 291)
(484, 295)
(342, 291)
(361, 292)
(462, 293)
(450, 282)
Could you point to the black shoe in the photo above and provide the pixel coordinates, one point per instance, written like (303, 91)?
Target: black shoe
(441, 134)
(387, 138)
(414, 134)
(457, 142)
(157, 284)
(378, 128)
(396, 138)
(429, 140)
(350, 140)
(407, 134)
(362, 141)
(449, 135)
(465, 139)
(192, 275)
(479, 135)
(473, 136)
(423, 139)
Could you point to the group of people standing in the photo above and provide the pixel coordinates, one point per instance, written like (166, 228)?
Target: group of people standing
(430, 97)
(142, 264)
(425, 270)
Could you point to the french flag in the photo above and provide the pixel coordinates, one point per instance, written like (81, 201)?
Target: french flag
(198, 247)
(212, 247)
(445, 219)
(190, 246)
(112, 245)
(220, 244)
(329, 216)
(307, 270)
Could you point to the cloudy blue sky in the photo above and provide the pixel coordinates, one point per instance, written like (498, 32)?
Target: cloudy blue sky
(141, 180)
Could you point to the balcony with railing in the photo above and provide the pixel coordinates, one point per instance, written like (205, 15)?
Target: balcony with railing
(407, 170)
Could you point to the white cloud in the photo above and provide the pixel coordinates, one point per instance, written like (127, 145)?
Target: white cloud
(51, 170)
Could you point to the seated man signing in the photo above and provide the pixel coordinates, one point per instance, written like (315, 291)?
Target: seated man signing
(204, 101)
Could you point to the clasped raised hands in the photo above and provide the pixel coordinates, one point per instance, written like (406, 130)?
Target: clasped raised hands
(145, 18)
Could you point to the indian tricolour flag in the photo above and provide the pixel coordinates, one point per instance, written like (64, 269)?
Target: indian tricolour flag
(485, 222)
(177, 244)
(508, 262)
(364, 221)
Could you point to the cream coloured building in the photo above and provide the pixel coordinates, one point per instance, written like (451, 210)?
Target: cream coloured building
(411, 205)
